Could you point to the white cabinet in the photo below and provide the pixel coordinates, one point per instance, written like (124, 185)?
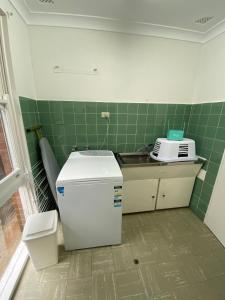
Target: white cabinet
(139, 195)
(174, 192)
(147, 188)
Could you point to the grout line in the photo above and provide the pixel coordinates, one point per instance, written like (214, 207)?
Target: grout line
(135, 139)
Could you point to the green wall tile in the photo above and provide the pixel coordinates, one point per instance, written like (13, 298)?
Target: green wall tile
(122, 108)
(222, 121)
(112, 108)
(70, 129)
(216, 108)
(122, 118)
(43, 106)
(101, 106)
(132, 119)
(121, 129)
(92, 139)
(132, 108)
(143, 109)
(112, 129)
(80, 119)
(91, 129)
(55, 106)
(210, 132)
(213, 120)
(79, 107)
(206, 108)
(91, 108)
(131, 129)
(68, 106)
(162, 109)
(113, 118)
(220, 134)
(141, 119)
(68, 118)
(81, 129)
(152, 109)
(121, 138)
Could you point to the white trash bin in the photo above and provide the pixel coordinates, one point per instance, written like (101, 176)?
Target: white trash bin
(40, 237)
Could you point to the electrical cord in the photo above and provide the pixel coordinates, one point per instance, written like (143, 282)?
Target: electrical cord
(106, 135)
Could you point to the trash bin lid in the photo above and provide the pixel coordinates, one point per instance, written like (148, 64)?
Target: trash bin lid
(40, 225)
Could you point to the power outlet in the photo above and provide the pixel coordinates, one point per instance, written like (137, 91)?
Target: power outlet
(201, 175)
(105, 114)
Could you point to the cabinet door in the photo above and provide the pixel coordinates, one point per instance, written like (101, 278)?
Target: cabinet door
(139, 195)
(174, 192)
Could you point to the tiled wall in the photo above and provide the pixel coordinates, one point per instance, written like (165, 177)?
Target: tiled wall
(30, 116)
(207, 128)
(70, 124)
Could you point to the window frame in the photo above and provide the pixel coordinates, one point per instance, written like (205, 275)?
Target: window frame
(21, 177)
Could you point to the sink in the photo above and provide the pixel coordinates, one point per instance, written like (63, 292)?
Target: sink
(143, 159)
(135, 158)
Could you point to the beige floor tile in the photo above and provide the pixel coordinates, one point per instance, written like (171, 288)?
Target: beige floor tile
(31, 292)
(54, 290)
(216, 288)
(131, 221)
(128, 284)
(55, 273)
(208, 290)
(193, 292)
(165, 277)
(102, 260)
(103, 287)
(122, 258)
(211, 266)
(131, 236)
(81, 264)
(157, 252)
(79, 289)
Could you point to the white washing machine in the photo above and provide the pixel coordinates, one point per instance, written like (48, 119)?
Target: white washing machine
(89, 189)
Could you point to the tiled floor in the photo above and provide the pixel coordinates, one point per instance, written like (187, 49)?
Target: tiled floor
(178, 257)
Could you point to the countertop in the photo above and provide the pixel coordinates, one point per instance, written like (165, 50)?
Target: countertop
(143, 159)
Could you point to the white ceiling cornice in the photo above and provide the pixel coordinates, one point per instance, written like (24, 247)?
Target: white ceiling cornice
(22, 10)
(214, 32)
(114, 25)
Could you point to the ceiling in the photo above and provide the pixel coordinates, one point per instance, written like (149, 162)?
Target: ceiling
(153, 15)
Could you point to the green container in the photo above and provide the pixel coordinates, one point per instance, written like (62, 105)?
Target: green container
(175, 135)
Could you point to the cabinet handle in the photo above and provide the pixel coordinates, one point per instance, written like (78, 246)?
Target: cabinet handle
(153, 197)
(164, 195)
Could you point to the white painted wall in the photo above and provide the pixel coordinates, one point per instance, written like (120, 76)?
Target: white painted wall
(20, 52)
(131, 67)
(210, 84)
(214, 218)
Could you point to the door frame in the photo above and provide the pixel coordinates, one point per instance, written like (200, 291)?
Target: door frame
(213, 213)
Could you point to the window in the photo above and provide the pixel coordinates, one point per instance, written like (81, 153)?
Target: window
(16, 196)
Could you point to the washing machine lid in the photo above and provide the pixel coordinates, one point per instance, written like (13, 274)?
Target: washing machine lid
(84, 168)
(90, 153)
